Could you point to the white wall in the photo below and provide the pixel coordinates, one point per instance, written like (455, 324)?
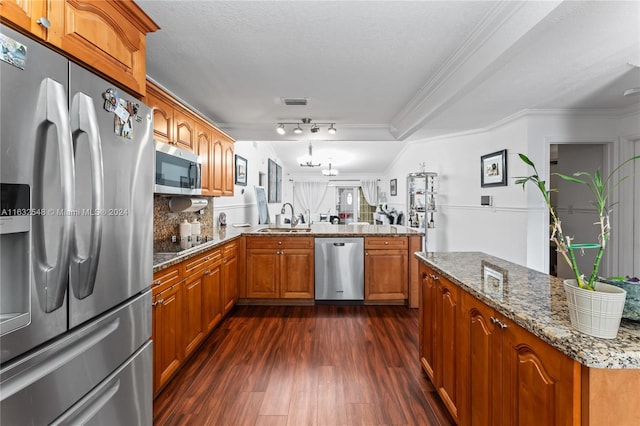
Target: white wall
(242, 207)
(516, 227)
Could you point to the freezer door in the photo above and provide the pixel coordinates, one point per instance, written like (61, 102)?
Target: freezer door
(39, 388)
(124, 398)
(33, 107)
(114, 198)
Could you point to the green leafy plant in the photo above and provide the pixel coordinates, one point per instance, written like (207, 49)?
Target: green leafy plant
(601, 190)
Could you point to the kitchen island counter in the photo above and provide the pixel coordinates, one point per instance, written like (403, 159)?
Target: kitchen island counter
(536, 301)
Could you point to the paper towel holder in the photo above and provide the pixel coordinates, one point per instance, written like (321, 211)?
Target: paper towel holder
(186, 204)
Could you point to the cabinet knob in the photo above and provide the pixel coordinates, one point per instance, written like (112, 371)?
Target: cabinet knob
(43, 22)
(157, 282)
(279, 243)
(386, 243)
(493, 320)
(207, 272)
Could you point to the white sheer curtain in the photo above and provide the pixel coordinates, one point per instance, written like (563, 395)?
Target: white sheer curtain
(310, 194)
(370, 191)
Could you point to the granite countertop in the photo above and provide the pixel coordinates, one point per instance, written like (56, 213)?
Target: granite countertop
(329, 230)
(537, 302)
(166, 254)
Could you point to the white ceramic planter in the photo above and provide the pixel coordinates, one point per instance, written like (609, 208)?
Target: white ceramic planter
(596, 313)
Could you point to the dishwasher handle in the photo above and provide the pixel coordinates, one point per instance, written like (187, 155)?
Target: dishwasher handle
(338, 244)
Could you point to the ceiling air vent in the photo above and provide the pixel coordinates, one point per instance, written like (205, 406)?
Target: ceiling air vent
(294, 101)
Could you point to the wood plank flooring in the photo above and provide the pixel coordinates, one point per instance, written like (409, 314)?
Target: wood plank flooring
(306, 365)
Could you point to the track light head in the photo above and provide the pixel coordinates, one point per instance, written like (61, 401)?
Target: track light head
(331, 130)
(297, 130)
(314, 128)
(280, 129)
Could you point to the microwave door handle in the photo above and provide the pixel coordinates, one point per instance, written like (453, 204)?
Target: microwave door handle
(193, 175)
(51, 279)
(82, 271)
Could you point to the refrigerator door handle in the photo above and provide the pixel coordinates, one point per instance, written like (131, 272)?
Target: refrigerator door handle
(51, 280)
(82, 271)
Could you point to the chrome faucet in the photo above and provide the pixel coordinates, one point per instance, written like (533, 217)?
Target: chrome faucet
(294, 219)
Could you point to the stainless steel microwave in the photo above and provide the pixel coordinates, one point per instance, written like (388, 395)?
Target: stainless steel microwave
(178, 171)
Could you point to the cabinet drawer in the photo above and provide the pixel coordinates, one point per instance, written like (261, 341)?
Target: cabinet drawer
(279, 242)
(386, 243)
(166, 278)
(199, 263)
(230, 249)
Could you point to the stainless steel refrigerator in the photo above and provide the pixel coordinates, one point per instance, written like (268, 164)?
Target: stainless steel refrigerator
(76, 241)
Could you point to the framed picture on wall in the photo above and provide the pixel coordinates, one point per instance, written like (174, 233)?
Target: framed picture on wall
(241, 171)
(393, 187)
(274, 179)
(493, 169)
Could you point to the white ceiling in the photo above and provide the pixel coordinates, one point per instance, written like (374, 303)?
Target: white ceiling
(389, 71)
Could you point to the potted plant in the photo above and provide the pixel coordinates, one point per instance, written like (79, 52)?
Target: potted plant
(595, 307)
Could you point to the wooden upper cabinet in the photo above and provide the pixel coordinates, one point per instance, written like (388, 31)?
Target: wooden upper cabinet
(106, 35)
(162, 114)
(25, 14)
(228, 175)
(184, 128)
(205, 151)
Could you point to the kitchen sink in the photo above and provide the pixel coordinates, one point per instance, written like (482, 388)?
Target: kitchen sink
(287, 230)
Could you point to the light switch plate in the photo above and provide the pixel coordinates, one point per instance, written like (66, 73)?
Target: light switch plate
(486, 200)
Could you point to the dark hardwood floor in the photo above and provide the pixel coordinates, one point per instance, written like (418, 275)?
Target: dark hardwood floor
(306, 365)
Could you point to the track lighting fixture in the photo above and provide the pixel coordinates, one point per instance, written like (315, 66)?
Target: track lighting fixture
(313, 128)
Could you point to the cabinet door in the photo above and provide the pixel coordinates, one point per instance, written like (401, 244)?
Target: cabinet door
(385, 274)
(217, 180)
(162, 115)
(447, 314)
(193, 329)
(480, 365)
(205, 151)
(184, 132)
(297, 274)
(109, 36)
(25, 14)
(541, 384)
(263, 273)
(427, 320)
(228, 168)
(168, 347)
(212, 296)
(230, 279)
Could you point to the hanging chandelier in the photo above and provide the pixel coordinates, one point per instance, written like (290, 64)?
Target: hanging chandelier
(307, 160)
(313, 128)
(330, 171)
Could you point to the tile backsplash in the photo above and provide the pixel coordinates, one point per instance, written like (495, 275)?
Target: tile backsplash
(167, 223)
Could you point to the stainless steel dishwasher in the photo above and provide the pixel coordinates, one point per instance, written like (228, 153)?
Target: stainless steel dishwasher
(339, 268)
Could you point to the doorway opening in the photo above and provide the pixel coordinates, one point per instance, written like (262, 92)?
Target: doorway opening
(572, 202)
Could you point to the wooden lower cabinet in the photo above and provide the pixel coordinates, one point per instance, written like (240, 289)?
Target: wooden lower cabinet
(168, 347)
(192, 315)
(212, 302)
(386, 268)
(189, 300)
(229, 276)
(487, 369)
(427, 314)
(445, 347)
(280, 268)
